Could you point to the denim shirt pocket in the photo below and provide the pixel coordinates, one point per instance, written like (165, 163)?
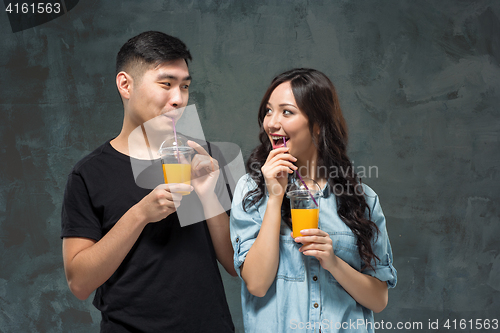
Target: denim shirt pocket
(345, 247)
(291, 264)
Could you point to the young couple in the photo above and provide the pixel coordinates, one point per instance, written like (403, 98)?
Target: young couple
(152, 275)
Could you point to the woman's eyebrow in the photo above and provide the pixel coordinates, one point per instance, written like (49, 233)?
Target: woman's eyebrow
(287, 104)
(283, 104)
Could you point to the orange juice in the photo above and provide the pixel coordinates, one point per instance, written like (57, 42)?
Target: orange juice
(177, 173)
(304, 219)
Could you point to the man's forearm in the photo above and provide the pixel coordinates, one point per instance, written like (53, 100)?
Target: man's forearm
(218, 225)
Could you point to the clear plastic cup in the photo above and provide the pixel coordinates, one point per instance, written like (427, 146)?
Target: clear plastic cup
(304, 204)
(176, 158)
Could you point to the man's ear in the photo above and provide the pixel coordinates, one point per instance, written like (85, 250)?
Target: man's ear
(124, 84)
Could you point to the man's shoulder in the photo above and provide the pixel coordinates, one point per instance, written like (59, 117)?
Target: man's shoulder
(94, 158)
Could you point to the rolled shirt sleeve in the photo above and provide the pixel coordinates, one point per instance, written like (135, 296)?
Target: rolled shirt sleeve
(383, 268)
(244, 225)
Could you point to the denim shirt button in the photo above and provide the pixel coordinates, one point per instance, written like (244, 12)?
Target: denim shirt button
(316, 305)
(315, 278)
(237, 240)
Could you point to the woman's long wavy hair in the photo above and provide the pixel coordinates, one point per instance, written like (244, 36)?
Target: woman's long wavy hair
(317, 99)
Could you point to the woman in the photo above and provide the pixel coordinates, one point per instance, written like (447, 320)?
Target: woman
(329, 279)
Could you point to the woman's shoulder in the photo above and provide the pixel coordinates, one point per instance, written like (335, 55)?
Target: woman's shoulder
(246, 182)
(370, 196)
(368, 191)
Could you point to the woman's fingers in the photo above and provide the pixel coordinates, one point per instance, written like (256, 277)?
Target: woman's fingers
(273, 168)
(314, 246)
(276, 170)
(280, 153)
(314, 232)
(314, 239)
(275, 152)
(278, 163)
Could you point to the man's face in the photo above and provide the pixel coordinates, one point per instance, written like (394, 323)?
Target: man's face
(160, 90)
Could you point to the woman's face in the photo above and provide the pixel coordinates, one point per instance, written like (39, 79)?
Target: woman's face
(284, 119)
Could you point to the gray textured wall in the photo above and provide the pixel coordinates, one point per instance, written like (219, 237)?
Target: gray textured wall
(419, 83)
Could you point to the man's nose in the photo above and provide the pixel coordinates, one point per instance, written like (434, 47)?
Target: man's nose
(176, 97)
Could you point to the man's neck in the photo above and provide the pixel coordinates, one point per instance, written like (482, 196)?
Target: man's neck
(139, 143)
(120, 143)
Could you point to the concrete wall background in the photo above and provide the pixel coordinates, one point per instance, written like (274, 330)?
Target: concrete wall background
(418, 81)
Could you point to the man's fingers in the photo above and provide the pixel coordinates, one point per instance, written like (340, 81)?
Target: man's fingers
(176, 187)
(177, 203)
(199, 149)
(208, 164)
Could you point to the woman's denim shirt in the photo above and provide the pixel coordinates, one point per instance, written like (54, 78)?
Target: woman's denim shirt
(304, 296)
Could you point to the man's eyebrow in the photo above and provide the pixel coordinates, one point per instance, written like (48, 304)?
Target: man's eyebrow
(173, 77)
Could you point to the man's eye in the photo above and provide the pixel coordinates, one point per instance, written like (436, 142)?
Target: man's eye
(186, 86)
(167, 84)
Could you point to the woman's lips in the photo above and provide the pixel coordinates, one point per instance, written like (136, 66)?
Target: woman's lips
(277, 140)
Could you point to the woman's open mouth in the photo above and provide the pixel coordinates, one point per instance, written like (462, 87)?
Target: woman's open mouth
(278, 140)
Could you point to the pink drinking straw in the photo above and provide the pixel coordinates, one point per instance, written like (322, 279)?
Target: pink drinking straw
(298, 174)
(175, 138)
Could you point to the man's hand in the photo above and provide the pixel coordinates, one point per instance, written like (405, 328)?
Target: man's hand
(204, 171)
(161, 202)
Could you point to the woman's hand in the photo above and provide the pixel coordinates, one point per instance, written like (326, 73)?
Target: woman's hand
(276, 169)
(363, 288)
(318, 244)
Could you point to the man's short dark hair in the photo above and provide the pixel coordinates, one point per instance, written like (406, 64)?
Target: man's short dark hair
(150, 48)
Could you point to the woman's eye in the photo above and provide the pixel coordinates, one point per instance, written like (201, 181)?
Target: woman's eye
(287, 112)
(268, 111)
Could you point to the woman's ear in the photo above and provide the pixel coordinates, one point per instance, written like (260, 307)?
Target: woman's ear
(124, 84)
(316, 129)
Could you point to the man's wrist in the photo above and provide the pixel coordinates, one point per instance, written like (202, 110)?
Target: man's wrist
(211, 206)
(208, 199)
(137, 216)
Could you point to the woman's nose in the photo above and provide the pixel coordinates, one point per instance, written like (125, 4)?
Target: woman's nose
(274, 121)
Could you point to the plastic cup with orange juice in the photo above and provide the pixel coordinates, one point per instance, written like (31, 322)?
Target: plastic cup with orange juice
(176, 162)
(304, 197)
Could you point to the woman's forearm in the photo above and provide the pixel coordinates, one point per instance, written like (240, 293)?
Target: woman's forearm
(365, 289)
(261, 263)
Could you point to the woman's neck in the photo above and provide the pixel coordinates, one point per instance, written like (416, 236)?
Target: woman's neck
(309, 168)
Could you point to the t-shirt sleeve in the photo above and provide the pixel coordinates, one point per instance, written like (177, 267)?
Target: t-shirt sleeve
(78, 217)
(244, 225)
(384, 270)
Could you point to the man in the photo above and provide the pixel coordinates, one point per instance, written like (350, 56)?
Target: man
(150, 274)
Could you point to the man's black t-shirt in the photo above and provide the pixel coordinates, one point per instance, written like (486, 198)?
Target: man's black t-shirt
(169, 281)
